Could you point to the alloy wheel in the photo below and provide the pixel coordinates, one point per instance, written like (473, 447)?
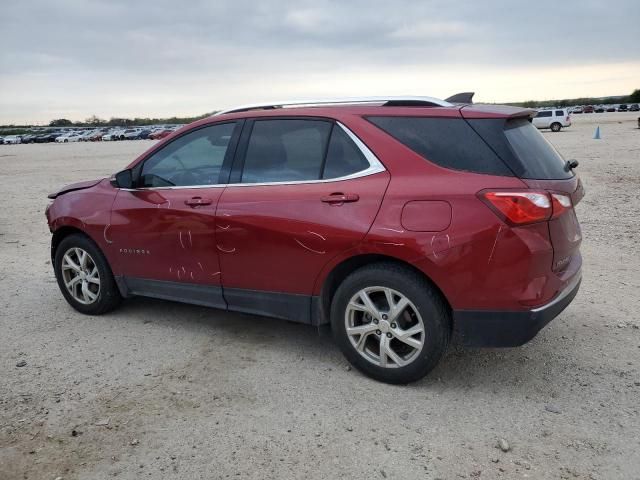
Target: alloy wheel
(80, 275)
(384, 327)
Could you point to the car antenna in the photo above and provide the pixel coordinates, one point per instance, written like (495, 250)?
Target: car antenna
(464, 97)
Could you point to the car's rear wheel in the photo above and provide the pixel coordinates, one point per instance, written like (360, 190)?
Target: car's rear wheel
(556, 127)
(84, 276)
(390, 323)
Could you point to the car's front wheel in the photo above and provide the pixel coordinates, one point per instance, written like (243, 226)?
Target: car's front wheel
(84, 276)
(556, 127)
(390, 323)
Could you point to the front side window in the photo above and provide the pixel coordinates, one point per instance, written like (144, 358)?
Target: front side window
(546, 113)
(293, 150)
(194, 159)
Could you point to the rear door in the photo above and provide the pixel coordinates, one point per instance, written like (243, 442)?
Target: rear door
(302, 190)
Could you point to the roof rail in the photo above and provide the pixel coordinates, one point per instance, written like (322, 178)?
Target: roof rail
(388, 101)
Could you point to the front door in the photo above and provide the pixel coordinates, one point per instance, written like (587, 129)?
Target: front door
(163, 232)
(305, 190)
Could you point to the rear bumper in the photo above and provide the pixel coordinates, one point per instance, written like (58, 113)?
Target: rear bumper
(485, 328)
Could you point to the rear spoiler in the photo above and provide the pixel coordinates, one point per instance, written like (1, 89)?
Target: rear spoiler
(496, 111)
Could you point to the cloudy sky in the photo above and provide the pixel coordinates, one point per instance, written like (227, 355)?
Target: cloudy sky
(76, 58)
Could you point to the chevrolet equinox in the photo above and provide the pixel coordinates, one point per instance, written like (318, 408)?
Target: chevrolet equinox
(399, 223)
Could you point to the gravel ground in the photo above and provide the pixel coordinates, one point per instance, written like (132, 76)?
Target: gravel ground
(163, 390)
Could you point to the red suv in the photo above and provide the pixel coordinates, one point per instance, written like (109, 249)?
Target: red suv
(400, 223)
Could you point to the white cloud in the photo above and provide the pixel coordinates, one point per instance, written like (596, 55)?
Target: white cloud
(159, 57)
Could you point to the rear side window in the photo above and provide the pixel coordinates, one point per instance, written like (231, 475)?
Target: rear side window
(289, 150)
(546, 113)
(343, 156)
(285, 150)
(448, 142)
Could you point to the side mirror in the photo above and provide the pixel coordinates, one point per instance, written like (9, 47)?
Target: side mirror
(123, 179)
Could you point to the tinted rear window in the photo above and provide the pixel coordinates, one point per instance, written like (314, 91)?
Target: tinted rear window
(534, 152)
(559, 113)
(543, 114)
(448, 142)
(523, 148)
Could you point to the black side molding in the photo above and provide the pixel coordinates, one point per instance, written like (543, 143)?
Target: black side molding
(287, 306)
(205, 295)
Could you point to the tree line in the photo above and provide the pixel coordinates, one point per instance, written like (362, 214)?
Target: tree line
(568, 102)
(94, 121)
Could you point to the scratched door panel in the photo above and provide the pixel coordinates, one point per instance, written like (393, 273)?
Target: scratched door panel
(278, 237)
(156, 235)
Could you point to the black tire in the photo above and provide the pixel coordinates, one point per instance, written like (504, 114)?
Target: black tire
(556, 127)
(427, 300)
(108, 297)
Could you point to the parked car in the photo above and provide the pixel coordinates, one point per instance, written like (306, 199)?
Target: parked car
(86, 135)
(143, 134)
(634, 107)
(160, 134)
(96, 136)
(588, 109)
(12, 139)
(393, 223)
(553, 119)
(48, 137)
(29, 138)
(599, 109)
(69, 137)
(623, 108)
(611, 108)
(577, 110)
(112, 134)
(130, 134)
(1, 140)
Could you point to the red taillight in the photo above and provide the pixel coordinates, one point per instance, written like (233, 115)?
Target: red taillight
(519, 207)
(527, 206)
(560, 203)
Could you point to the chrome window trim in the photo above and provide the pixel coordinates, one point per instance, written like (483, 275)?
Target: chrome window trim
(375, 166)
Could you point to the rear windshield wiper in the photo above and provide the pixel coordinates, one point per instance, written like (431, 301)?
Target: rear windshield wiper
(571, 164)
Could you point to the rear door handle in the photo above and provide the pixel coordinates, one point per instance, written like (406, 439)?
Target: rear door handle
(198, 201)
(339, 198)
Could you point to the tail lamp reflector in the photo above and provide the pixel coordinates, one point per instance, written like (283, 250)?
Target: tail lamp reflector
(527, 206)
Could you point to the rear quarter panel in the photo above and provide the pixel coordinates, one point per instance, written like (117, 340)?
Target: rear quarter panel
(477, 261)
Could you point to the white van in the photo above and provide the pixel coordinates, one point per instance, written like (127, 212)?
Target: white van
(554, 119)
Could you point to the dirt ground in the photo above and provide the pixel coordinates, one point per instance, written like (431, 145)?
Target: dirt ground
(164, 390)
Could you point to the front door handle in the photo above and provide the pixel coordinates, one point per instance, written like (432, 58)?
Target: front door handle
(340, 198)
(198, 201)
